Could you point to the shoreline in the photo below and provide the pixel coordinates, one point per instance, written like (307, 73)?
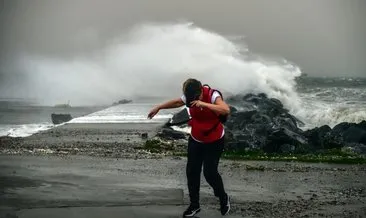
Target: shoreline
(118, 140)
(124, 140)
(99, 166)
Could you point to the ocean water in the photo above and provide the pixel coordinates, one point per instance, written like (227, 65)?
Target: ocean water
(324, 101)
(152, 60)
(329, 101)
(19, 118)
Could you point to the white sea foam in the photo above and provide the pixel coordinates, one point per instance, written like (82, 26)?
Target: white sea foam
(23, 130)
(331, 106)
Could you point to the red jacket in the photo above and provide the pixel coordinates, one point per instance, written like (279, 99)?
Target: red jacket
(205, 124)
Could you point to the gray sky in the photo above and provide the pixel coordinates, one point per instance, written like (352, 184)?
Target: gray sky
(323, 37)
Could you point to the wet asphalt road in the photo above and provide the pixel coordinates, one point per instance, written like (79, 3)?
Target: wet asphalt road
(80, 186)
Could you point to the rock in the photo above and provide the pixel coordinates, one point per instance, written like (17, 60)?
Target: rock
(238, 120)
(283, 140)
(354, 134)
(239, 142)
(179, 118)
(171, 134)
(60, 118)
(340, 128)
(286, 121)
(343, 134)
(122, 101)
(258, 119)
(232, 109)
(144, 135)
(287, 148)
(257, 122)
(316, 136)
(363, 139)
(350, 133)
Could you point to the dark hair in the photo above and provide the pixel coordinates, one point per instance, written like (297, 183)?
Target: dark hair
(192, 89)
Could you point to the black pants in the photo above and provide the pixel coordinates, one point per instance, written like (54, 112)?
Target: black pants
(208, 155)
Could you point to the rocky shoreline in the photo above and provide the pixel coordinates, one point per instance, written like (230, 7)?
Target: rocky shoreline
(258, 188)
(99, 140)
(262, 127)
(259, 123)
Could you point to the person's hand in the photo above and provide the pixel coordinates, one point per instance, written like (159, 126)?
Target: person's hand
(153, 112)
(198, 103)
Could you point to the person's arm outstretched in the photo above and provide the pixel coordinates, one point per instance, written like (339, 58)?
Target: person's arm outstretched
(174, 103)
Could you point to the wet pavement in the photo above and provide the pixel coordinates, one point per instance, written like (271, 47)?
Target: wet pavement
(81, 186)
(165, 211)
(88, 187)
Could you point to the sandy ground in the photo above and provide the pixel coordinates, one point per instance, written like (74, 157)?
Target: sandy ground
(94, 171)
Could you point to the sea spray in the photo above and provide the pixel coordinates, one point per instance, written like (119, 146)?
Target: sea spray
(152, 61)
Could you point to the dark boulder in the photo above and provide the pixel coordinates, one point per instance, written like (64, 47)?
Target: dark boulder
(287, 148)
(362, 125)
(122, 101)
(254, 123)
(317, 136)
(262, 123)
(238, 120)
(282, 140)
(354, 134)
(257, 122)
(340, 128)
(60, 118)
(179, 118)
(363, 139)
(144, 135)
(350, 132)
(232, 109)
(171, 134)
(241, 141)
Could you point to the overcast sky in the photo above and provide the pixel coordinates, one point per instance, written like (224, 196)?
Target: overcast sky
(323, 37)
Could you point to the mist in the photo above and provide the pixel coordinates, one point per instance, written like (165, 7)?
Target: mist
(92, 52)
(153, 60)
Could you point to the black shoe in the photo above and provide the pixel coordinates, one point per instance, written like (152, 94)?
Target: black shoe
(225, 205)
(191, 211)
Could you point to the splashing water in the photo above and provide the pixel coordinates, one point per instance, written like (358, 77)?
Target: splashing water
(153, 60)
